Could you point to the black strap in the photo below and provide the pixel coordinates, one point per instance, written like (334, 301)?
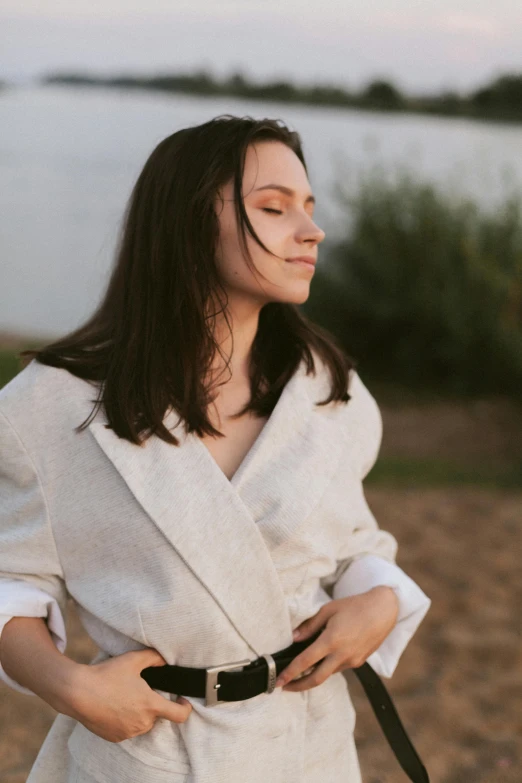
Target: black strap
(252, 680)
(390, 723)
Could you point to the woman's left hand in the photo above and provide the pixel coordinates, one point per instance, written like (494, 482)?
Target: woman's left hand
(354, 628)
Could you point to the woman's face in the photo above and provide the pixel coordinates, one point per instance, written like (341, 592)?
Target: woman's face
(282, 220)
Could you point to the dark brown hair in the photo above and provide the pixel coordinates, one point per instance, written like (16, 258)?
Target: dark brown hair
(150, 341)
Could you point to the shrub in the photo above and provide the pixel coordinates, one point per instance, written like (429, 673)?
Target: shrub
(426, 289)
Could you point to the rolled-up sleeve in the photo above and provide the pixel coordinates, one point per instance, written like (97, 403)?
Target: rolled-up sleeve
(31, 578)
(371, 571)
(368, 555)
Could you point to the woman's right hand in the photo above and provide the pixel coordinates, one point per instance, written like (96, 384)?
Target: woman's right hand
(112, 700)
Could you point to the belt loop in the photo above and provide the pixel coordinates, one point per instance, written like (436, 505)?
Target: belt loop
(272, 673)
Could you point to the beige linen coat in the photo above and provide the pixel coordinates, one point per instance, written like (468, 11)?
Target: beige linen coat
(159, 549)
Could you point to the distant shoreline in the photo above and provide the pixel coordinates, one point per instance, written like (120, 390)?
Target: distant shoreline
(498, 101)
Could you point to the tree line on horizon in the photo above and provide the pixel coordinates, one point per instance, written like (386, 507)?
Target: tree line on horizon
(501, 99)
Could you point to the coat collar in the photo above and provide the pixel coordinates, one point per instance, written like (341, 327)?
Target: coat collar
(227, 531)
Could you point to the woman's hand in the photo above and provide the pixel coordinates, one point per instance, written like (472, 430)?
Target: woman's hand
(354, 628)
(114, 702)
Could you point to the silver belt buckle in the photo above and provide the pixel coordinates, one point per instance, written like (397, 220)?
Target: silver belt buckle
(272, 673)
(211, 683)
(212, 686)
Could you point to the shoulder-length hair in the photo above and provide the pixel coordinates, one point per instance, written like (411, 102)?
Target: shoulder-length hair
(150, 342)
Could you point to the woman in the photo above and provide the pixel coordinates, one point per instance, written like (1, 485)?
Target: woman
(212, 507)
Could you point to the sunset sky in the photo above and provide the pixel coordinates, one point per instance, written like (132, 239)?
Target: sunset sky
(423, 45)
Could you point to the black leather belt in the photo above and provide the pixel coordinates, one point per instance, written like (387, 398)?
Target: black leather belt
(259, 676)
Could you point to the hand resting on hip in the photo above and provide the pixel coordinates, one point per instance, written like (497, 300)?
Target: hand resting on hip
(114, 702)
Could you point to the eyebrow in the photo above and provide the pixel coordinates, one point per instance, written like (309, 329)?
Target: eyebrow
(288, 191)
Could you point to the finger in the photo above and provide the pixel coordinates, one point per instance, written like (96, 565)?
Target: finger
(314, 653)
(315, 623)
(320, 673)
(177, 711)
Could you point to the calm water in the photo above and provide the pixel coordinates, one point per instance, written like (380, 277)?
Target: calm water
(69, 158)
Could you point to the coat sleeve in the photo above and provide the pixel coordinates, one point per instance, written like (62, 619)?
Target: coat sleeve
(31, 578)
(369, 556)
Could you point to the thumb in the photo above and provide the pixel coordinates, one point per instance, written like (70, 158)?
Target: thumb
(314, 623)
(148, 657)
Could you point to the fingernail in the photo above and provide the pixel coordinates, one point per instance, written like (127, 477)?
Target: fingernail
(296, 634)
(280, 681)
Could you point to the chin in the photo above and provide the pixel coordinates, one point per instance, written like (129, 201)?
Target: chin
(297, 296)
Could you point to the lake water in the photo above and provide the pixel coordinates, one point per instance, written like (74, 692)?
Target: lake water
(69, 158)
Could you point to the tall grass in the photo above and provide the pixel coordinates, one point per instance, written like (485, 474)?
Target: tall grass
(426, 288)
(10, 364)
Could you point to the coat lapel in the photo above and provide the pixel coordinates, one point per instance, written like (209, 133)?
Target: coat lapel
(289, 469)
(227, 531)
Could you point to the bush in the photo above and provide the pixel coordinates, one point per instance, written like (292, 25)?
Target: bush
(426, 289)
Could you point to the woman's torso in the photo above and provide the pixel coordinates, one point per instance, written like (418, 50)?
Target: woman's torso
(159, 550)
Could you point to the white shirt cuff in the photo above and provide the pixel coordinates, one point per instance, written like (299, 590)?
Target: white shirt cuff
(370, 571)
(19, 599)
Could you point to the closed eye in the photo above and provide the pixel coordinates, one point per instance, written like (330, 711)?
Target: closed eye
(273, 211)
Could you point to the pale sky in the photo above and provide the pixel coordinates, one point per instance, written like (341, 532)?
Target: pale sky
(424, 45)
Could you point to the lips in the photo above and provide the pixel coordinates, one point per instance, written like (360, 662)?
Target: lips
(303, 259)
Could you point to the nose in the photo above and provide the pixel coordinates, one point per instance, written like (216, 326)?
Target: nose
(311, 231)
